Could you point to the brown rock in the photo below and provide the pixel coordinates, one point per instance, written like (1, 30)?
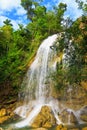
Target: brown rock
(44, 119)
(4, 118)
(85, 128)
(2, 112)
(47, 125)
(61, 127)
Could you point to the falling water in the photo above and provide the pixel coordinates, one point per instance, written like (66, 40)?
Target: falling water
(38, 92)
(37, 88)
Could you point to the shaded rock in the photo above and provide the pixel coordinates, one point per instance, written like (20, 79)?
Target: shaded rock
(83, 114)
(44, 119)
(67, 116)
(83, 117)
(84, 109)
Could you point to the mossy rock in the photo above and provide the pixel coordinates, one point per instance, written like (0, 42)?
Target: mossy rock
(44, 119)
(47, 125)
(61, 127)
(4, 118)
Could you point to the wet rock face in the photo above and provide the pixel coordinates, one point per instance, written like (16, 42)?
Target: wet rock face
(67, 116)
(83, 114)
(76, 97)
(44, 119)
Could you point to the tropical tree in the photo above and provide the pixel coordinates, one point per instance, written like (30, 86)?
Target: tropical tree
(7, 22)
(82, 5)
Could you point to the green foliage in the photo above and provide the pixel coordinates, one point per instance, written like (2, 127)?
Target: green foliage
(7, 22)
(43, 22)
(82, 5)
(15, 52)
(30, 6)
(59, 77)
(59, 11)
(17, 48)
(72, 43)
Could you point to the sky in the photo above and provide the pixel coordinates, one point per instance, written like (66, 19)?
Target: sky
(12, 10)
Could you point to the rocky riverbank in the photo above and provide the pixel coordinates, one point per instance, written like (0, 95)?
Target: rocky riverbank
(7, 110)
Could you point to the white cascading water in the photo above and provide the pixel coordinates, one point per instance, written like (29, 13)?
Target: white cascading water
(38, 91)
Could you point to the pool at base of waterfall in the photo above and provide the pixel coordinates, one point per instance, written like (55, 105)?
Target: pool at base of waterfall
(9, 125)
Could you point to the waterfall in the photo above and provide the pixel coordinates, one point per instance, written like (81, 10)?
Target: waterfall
(37, 90)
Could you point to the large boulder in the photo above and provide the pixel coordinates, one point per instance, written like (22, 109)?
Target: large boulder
(68, 117)
(45, 118)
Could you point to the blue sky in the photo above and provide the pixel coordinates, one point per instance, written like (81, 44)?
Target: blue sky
(11, 9)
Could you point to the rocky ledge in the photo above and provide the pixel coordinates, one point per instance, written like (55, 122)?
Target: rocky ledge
(44, 119)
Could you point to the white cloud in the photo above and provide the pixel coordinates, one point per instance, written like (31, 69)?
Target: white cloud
(2, 18)
(48, 5)
(16, 17)
(20, 11)
(72, 8)
(14, 23)
(9, 4)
